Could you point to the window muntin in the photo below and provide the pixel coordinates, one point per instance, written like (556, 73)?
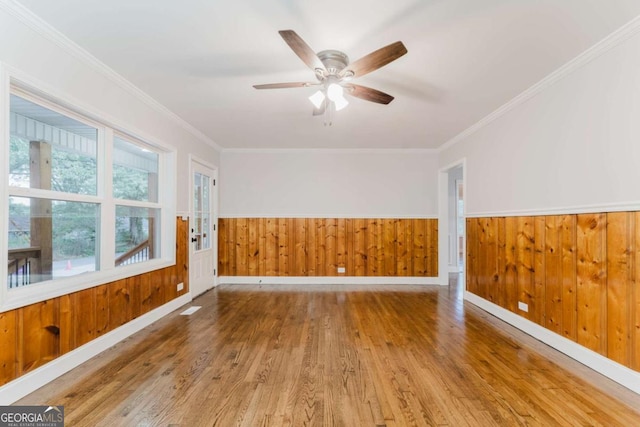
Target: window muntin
(50, 151)
(50, 239)
(137, 234)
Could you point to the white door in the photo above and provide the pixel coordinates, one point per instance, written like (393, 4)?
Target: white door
(203, 246)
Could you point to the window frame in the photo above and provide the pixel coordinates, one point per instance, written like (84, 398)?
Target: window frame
(12, 82)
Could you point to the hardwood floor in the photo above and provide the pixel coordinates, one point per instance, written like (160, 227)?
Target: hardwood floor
(336, 355)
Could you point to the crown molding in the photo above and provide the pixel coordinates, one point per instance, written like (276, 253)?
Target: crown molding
(330, 150)
(43, 28)
(622, 34)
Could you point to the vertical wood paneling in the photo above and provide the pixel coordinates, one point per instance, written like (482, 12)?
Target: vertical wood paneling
(158, 282)
(253, 251)
(38, 335)
(389, 246)
(579, 275)
(331, 247)
(85, 319)
(524, 264)
(635, 297)
(360, 247)
(493, 275)
(262, 247)
(271, 252)
(8, 349)
(318, 246)
(569, 277)
(223, 250)
(133, 283)
(400, 249)
(231, 248)
(620, 250)
(501, 261)
(120, 304)
(432, 226)
(472, 250)
(310, 245)
(350, 244)
(482, 257)
(341, 242)
(283, 249)
(300, 245)
(67, 322)
(591, 281)
(553, 274)
(144, 284)
(511, 273)
(372, 247)
(380, 247)
(291, 244)
(321, 247)
(419, 248)
(182, 254)
(539, 265)
(242, 247)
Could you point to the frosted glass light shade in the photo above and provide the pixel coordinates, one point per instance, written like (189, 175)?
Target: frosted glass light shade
(340, 103)
(334, 92)
(317, 99)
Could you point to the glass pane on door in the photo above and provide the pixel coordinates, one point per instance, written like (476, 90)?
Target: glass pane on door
(201, 211)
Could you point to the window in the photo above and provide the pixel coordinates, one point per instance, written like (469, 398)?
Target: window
(135, 185)
(83, 199)
(54, 157)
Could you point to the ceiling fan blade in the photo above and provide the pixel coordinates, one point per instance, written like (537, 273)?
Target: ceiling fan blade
(302, 49)
(369, 94)
(320, 111)
(375, 60)
(284, 85)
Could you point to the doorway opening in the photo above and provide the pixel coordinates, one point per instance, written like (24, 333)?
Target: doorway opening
(452, 222)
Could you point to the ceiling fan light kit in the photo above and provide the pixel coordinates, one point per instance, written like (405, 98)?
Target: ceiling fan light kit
(334, 73)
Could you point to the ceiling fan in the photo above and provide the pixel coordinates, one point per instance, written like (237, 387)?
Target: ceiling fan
(334, 73)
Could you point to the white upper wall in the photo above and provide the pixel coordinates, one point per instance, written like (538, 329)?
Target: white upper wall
(328, 183)
(34, 51)
(574, 146)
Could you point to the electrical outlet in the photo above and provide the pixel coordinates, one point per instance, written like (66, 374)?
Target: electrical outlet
(522, 306)
(180, 286)
(342, 270)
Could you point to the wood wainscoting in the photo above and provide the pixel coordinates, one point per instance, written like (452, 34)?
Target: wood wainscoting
(38, 333)
(319, 246)
(578, 275)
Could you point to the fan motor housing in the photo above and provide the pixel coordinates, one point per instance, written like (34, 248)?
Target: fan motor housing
(333, 60)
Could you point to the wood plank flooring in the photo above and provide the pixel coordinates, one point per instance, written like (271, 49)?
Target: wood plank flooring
(335, 355)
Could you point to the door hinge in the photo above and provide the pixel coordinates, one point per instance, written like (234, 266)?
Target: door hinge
(214, 181)
(214, 271)
(214, 227)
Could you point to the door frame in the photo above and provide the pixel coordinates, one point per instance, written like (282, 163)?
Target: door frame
(443, 220)
(214, 209)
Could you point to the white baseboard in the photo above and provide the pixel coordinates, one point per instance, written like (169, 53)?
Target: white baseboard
(31, 381)
(607, 367)
(327, 280)
(454, 269)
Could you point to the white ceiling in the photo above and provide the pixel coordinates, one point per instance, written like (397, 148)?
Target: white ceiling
(466, 58)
